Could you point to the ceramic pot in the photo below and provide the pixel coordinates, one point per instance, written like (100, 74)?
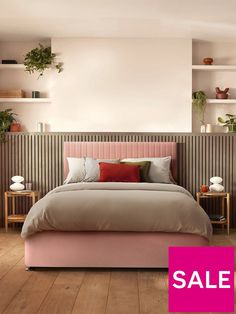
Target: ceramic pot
(216, 180)
(35, 94)
(231, 128)
(17, 179)
(17, 187)
(216, 188)
(204, 188)
(15, 127)
(208, 61)
(221, 94)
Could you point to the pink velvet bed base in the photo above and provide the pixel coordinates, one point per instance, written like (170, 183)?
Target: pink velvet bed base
(104, 249)
(108, 249)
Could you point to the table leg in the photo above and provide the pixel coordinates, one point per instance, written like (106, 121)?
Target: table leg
(13, 208)
(228, 212)
(33, 199)
(6, 212)
(198, 198)
(223, 210)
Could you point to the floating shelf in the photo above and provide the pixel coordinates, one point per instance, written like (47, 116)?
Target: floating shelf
(25, 100)
(12, 66)
(221, 101)
(214, 67)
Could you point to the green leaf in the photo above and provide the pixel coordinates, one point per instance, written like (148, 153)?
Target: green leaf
(221, 120)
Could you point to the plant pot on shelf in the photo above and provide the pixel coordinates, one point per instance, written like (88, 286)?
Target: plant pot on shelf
(221, 94)
(15, 127)
(229, 122)
(231, 128)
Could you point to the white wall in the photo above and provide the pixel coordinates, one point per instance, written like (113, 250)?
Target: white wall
(123, 85)
(136, 85)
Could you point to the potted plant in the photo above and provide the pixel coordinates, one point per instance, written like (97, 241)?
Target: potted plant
(229, 122)
(6, 119)
(41, 58)
(199, 101)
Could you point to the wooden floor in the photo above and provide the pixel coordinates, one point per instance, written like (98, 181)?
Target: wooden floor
(80, 291)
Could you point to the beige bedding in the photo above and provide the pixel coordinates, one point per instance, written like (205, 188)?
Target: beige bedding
(145, 207)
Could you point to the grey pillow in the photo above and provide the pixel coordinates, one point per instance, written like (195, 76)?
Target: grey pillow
(76, 170)
(92, 169)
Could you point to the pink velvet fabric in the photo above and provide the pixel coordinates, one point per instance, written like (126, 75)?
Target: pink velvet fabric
(104, 249)
(119, 150)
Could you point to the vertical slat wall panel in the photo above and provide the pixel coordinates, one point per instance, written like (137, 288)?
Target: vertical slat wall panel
(38, 157)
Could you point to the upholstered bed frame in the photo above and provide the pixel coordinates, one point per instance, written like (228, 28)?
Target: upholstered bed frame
(108, 249)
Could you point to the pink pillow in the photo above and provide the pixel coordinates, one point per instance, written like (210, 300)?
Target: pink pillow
(118, 173)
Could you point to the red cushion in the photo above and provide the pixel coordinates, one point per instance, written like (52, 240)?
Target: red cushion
(118, 173)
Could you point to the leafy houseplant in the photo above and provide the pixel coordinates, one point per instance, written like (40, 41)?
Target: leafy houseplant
(40, 59)
(199, 101)
(229, 122)
(6, 118)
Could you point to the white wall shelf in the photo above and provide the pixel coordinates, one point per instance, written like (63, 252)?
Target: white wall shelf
(12, 67)
(25, 100)
(214, 67)
(221, 101)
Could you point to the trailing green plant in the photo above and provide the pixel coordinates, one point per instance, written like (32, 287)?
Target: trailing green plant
(199, 101)
(6, 119)
(41, 58)
(230, 122)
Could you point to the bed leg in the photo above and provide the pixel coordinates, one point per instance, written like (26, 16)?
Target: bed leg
(28, 268)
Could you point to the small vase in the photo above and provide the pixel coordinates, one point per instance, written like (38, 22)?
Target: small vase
(208, 128)
(35, 94)
(203, 128)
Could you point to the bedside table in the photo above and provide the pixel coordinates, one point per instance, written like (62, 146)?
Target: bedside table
(225, 206)
(10, 214)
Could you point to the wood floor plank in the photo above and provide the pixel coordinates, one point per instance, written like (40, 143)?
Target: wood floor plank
(32, 293)
(92, 297)
(10, 258)
(63, 293)
(11, 283)
(153, 292)
(123, 295)
(7, 242)
(220, 240)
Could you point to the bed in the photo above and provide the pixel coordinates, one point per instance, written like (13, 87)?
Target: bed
(71, 238)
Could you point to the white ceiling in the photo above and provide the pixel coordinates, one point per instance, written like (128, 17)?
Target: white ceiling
(199, 19)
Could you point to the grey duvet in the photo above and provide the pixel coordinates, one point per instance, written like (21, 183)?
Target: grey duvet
(97, 206)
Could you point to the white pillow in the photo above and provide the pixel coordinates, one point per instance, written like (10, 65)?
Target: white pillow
(76, 170)
(92, 168)
(159, 171)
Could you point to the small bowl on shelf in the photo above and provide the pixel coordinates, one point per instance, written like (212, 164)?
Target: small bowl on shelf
(208, 61)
